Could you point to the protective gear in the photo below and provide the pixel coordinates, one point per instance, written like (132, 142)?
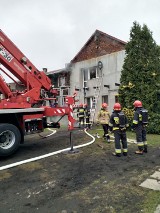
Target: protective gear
(122, 120)
(106, 136)
(104, 105)
(117, 107)
(145, 149)
(116, 154)
(119, 123)
(80, 105)
(139, 152)
(80, 115)
(87, 117)
(144, 114)
(140, 129)
(140, 117)
(103, 118)
(137, 103)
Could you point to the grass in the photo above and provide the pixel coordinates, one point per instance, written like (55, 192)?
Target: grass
(152, 201)
(152, 139)
(151, 198)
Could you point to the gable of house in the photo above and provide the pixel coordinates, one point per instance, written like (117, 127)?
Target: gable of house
(99, 44)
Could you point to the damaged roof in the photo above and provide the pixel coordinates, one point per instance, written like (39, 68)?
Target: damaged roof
(97, 45)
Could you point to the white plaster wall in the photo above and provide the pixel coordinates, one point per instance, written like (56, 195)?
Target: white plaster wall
(112, 66)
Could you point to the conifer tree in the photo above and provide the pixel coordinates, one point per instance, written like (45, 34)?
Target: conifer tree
(140, 76)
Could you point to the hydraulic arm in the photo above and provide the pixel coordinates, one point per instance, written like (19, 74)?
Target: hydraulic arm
(21, 67)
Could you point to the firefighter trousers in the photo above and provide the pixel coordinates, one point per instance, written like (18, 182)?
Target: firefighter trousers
(141, 136)
(88, 124)
(120, 137)
(81, 122)
(105, 129)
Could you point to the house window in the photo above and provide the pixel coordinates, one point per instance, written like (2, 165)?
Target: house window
(85, 77)
(62, 81)
(105, 99)
(99, 73)
(88, 100)
(65, 91)
(90, 73)
(93, 72)
(116, 98)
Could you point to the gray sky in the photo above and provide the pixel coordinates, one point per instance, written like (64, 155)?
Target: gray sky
(51, 32)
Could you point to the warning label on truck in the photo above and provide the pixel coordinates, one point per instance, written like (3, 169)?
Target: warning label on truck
(5, 54)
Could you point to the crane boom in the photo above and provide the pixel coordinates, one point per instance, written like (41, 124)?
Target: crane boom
(26, 112)
(22, 68)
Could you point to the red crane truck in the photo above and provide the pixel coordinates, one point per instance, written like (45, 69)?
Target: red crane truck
(25, 112)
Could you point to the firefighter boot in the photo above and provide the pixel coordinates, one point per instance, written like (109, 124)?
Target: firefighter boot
(145, 149)
(125, 153)
(108, 139)
(116, 154)
(139, 152)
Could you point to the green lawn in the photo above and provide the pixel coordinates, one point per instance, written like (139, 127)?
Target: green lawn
(152, 139)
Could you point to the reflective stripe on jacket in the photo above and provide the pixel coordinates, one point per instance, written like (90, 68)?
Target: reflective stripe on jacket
(115, 122)
(137, 119)
(80, 112)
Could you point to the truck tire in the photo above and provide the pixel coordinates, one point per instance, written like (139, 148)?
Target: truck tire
(10, 138)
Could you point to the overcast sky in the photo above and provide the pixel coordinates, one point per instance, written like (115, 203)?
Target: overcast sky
(51, 32)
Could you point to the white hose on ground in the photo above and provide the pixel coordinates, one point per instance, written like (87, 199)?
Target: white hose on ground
(53, 132)
(46, 155)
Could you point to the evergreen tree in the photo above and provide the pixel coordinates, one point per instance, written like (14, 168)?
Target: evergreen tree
(140, 76)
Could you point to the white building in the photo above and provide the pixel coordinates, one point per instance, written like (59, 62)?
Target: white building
(94, 72)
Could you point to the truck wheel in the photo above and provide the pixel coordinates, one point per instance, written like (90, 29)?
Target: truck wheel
(10, 138)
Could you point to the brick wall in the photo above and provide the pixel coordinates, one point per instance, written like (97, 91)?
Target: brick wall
(98, 46)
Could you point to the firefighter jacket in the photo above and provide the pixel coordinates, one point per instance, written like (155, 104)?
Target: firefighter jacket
(118, 120)
(80, 112)
(103, 116)
(87, 112)
(140, 117)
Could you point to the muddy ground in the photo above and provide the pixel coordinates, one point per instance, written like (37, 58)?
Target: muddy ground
(91, 181)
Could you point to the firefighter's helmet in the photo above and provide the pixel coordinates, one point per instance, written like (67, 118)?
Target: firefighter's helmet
(117, 107)
(137, 103)
(104, 105)
(80, 105)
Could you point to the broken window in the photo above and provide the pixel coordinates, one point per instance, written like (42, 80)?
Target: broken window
(93, 72)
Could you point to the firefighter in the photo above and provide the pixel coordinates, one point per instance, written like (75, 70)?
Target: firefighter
(140, 121)
(103, 118)
(118, 124)
(80, 115)
(87, 116)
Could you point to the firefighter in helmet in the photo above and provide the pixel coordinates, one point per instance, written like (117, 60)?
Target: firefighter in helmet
(87, 116)
(80, 115)
(103, 118)
(118, 124)
(140, 121)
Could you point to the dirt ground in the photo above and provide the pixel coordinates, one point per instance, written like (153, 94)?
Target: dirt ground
(90, 181)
